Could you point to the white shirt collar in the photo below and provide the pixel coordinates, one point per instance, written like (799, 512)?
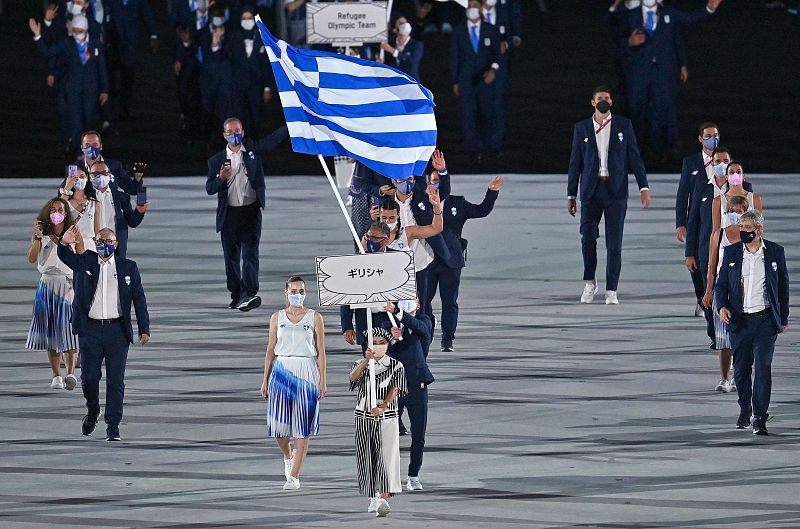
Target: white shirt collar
(472, 24)
(759, 251)
(110, 261)
(231, 153)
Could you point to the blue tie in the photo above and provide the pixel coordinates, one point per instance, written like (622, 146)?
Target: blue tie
(650, 23)
(489, 17)
(475, 39)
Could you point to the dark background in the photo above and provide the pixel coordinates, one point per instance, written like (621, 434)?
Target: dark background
(744, 73)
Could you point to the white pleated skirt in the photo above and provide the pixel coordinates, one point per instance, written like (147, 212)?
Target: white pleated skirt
(50, 328)
(293, 397)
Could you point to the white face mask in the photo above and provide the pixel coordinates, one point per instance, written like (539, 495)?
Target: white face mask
(473, 14)
(734, 218)
(379, 349)
(74, 9)
(248, 24)
(404, 29)
(491, 3)
(392, 225)
(650, 3)
(296, 300)
(721, 169)
(80, 184)
(217, 21)
(407, 305)
(101, 181)
(632, 4)
(80, 38)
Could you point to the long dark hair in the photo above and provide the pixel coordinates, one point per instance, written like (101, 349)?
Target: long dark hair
(44, 213)
(89, 190)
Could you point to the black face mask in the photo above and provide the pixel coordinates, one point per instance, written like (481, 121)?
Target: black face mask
(603, 107)
(747, 236)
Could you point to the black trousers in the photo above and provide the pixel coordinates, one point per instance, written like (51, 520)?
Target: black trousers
(104, 343)
(241, 234)
(447, 280)
(416, 403)
(598, 206)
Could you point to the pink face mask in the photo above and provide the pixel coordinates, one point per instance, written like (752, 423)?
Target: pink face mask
(57, 217)
(735, 179)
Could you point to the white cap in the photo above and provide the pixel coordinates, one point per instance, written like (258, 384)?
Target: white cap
(80, 22)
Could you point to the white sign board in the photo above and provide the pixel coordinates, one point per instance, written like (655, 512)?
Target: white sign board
(346, 23)
(366, 278)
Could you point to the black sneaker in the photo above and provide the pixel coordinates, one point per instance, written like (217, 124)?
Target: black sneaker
(88, 423)
(447, 347)
(743, 421)
(234, 304)
(760, 427)
(112, 433)
(249, 304)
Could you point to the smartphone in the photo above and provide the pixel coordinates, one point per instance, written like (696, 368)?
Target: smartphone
(376, 202)
(47, 227)
(72, 170)
(226, 163)
(141, 196)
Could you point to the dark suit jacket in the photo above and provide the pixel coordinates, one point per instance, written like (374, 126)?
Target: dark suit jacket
(86, 272)
(509, 20)
(423, 215)
(457, 210)
(74, 76)
(409, 59)
(662, 48)
(693, 172)
(467, 66)
(251, 157)
(411, 351)
(729, 290)
(253, 71)
(125, 25)
(699, 224)
(623, 158)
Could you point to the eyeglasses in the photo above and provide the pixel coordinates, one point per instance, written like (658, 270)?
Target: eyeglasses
(372, 238)
(105, 241)
(99, 173)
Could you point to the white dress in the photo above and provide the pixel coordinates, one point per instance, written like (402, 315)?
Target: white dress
(84, 219)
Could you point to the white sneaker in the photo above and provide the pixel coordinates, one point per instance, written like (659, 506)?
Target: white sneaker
(589, 290)
(373, 504)
(729, 386)
(57, 383)
(383, 508)
(732, 385)
(611, 297)
(287, 465)
(698, 311)
(292, 483)
(413, 484)
(721, 385)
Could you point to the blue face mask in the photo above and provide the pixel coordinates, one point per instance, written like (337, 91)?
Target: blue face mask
(711, 143)
(92, 152)
(405, 187)
(105, 250)
(373, 247)
(234, 139)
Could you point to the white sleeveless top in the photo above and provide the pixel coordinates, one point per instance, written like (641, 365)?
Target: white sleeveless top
(48, 262)
(724, 205)
(85, 222)
(296, 339)
(423, 255)
(723, 243)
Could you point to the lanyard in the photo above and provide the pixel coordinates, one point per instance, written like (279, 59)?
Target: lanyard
(605, 123)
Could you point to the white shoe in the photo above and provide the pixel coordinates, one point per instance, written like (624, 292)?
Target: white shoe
(292, 483)
(589, 290)
(287, 466)
(57, 383)
(611, 297)
(383, 508)
(721, 385)
(373, 504)
(413, 484)
(70, 382)
(698, 311)
(732, 385)
(729, 386)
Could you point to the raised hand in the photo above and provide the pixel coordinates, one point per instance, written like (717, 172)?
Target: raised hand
(496, 183)
(437, 160)
(36, 28)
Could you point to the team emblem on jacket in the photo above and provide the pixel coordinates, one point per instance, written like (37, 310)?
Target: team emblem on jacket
(128, 280)
(620, 136)
(454, 211)
(421, 206)
(774, 266)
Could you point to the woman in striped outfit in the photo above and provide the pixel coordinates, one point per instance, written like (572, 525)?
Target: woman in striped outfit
(50, 328)
(294, 378)
(377, 435)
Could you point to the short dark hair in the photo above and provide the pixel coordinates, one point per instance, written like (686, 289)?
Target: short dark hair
(295, 279)
(90, 133)
(707, 125)
(390, 204)
(601, 88)
(720, 149)
(381, 226)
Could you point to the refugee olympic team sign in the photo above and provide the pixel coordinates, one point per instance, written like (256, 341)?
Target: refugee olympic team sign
(347, 24)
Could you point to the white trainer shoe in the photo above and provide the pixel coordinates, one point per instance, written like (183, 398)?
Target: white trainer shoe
(70, 382)
(57, 383)
(589, 290)
(611, 297)
(413, 483)
(383, 508)
(698, 311)
(373, 504)
(292, 483)
(732, 385)
(287, 466)
(721, 386)
(729, 386)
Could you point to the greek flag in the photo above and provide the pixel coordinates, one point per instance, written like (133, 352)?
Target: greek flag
(340, 105)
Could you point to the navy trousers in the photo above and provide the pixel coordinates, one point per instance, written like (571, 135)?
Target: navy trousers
(653, 106)
(241, 234)
(447, 280)
(422, 292)
(592, 210)
(753, 344)
(104, 343)
(702, 267)
(416, 402)
(478, 105)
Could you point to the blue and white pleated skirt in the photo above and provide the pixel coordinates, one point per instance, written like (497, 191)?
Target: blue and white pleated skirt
(293, 397)
(722, 338)
(51, 329)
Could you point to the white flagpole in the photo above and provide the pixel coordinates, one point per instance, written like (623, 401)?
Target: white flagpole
(373, 392)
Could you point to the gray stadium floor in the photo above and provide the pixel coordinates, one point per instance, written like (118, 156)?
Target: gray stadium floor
(549, 414)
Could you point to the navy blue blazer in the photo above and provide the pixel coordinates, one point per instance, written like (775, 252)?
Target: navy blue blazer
(125, 24)
(457, 210)
(423, 214)
(623, 158)
(729, 290)
(693, 172)
(467, 66)
(86, 272)
(412, 350)
(409, 59)
(251, 157)
(73, 76)
(253, 71)
(699, 224)
(509, 20)
(663, 47)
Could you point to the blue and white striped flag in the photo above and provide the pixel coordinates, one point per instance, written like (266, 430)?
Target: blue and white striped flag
(340, 105)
